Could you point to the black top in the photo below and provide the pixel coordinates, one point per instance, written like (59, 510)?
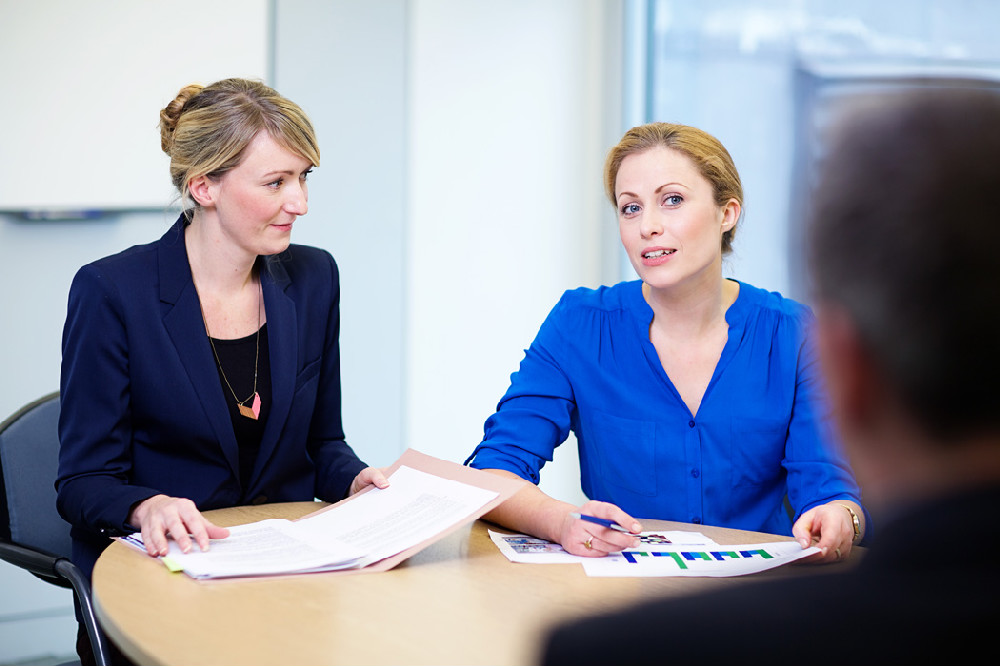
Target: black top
(237, 358)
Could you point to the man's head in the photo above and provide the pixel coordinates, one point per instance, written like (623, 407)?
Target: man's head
(903, 241)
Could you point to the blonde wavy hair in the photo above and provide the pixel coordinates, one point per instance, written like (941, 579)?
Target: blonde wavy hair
(205, 129)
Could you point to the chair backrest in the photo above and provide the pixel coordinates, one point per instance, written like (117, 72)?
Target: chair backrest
(29, 459)
(29, 462)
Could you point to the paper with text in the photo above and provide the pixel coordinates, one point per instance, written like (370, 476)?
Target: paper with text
(414, 507)
(369, 527)
(264, 548)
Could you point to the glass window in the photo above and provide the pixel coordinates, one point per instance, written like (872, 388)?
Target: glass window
(761, 76)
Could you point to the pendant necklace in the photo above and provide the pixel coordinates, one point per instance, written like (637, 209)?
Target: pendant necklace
(253, 411)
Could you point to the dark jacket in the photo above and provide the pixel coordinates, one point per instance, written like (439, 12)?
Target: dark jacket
(143, 410)
(925, 592)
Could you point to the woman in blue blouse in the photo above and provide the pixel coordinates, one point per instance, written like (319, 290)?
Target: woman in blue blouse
(692, 397)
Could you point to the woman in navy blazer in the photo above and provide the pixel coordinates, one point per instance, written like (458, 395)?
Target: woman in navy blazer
(203, 370)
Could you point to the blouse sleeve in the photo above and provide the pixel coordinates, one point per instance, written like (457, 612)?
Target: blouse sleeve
(95, 425)
(818, 469)
(534, 415)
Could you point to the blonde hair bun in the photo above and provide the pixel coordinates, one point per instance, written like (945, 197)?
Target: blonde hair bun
(172, 113)
(206, 129)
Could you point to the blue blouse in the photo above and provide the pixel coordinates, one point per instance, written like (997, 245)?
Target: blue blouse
(762, 429)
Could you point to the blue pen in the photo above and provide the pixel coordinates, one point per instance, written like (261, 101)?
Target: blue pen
(600, 521)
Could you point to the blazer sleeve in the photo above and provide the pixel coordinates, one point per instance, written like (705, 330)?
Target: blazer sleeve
(95, 423)
(336, 462)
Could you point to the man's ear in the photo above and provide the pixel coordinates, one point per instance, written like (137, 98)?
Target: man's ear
(202, 189)
(852, 377)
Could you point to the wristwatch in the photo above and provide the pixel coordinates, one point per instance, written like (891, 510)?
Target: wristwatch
(854, 520)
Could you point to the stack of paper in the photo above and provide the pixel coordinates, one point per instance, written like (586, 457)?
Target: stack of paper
(416, 508)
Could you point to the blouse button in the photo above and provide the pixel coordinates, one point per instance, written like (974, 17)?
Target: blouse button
(690, 424)
(696, 520)
(695, 473)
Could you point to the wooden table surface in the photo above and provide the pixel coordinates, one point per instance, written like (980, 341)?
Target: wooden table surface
(457, 602)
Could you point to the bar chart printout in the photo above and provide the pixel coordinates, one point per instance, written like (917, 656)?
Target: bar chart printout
(714, 561)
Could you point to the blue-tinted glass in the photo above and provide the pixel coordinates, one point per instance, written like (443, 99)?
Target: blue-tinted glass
(760, 75)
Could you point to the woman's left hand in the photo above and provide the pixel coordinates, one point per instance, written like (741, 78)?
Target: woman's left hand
(369, 476)
(830, 528)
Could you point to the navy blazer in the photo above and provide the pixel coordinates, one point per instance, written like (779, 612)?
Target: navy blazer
(143, 411)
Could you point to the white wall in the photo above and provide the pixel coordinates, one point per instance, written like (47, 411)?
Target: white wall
(506, 127)
(129, 71)
(460, 192)
(345, 64)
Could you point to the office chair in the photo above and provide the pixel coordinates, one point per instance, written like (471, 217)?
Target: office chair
(32, 534)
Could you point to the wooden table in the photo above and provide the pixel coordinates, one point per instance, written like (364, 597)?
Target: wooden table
(457, 602)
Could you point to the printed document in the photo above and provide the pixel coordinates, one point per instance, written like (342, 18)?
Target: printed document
(416, 508)
(713, 561)
(264, 548)
(663, 553)
(532, 550)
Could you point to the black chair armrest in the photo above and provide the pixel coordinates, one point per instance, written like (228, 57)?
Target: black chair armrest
(37, 562)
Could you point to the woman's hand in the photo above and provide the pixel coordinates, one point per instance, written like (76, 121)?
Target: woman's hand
(830, 527)
(369, 476)
(160, 518)
(531, 511)
(581, 537)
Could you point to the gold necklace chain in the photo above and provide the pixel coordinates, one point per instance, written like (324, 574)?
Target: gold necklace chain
(240, 404)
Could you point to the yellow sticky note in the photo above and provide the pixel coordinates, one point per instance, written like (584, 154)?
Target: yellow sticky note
(172, 565)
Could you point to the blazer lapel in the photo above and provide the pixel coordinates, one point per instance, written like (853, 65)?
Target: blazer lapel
(184, 323)
(282, 335)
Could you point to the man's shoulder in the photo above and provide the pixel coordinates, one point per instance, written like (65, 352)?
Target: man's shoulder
(891, 617)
